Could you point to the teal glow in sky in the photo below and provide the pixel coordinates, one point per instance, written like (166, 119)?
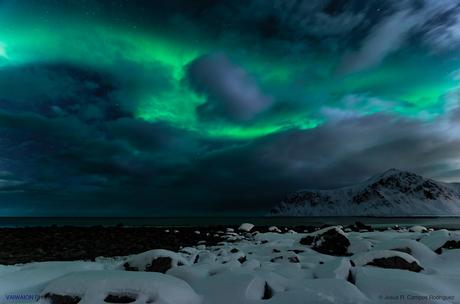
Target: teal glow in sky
(307, 81)
(171, 97)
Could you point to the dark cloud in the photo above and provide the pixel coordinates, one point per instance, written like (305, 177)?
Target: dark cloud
(386, 37)
(251, 177)
(152, 136)
(71, 141)
(433, 22)
(158, 168)
(7, 185)
(231, 93)
(62, 89)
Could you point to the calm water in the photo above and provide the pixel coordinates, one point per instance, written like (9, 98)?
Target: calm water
(438, 222)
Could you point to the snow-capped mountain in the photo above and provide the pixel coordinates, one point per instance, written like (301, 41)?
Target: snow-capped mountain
(392, 193)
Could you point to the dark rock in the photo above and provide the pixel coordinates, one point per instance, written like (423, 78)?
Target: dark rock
(405, 250)
(331, 242)
(351, 278)
(276, 250)
(396, 262)
(128, 267)
(276, 259)
(62, 299)
(308, 240)
(361, 226)
(242, 259)
(113, 298)
(68, 243)
(367, 194)
(234, 250)
(293, 259)
(451, 244)
(296, 251)
(160, 264)
(268, 292)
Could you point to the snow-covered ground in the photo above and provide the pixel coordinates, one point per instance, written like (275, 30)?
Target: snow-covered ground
(331, 265)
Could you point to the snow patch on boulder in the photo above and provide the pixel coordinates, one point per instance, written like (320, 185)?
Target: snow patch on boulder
(157, 260)
(33, 277)
(336, 269)
(387, 259)
(246, 227)
(95, 286)
(274, 229)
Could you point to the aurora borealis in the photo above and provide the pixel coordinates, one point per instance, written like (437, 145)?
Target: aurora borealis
(219, 107)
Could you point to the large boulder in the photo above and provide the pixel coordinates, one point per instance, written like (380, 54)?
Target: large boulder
(157, 260)
(235, 287)
(338, 268)
(396, 262)
(113, 286)
(360, 226)
(28, 279)
(416, 249)
(331, 240)
(387, 259)
(246, 227)
(437, 240)
(418, 229)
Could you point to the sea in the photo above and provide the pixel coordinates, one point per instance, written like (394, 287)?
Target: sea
(434, 222)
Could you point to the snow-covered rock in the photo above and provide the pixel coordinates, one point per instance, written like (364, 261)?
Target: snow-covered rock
(205, 257)
(246, 227)
(269, 267)
(232, 287)
(31, 278)
(335, 269)
(157, 260)
(359, 245)
(387, 259)
(330, 240)
(418, 228)
(141, 287)
(438, 239)
(392, 193)
(416, 249)
(274, 229)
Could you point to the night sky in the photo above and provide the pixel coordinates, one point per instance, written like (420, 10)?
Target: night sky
(180, 107)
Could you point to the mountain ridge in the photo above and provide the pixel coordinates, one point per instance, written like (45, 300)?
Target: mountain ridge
(391, 193)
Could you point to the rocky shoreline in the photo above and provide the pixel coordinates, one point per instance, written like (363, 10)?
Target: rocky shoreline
(70, 243)
(226, 265)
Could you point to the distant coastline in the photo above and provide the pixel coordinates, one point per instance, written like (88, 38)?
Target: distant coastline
(450, 222)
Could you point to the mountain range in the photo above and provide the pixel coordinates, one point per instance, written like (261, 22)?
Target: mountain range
(391, 193)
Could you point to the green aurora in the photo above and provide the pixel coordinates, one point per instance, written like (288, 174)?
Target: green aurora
(308, 81)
